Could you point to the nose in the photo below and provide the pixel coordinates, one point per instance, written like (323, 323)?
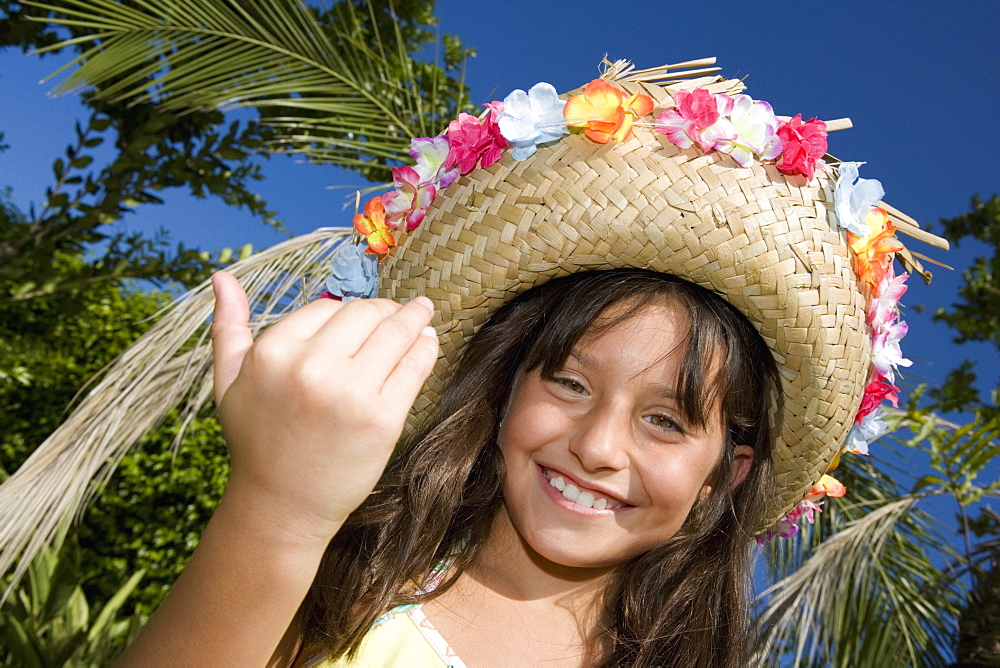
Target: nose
(600, 438)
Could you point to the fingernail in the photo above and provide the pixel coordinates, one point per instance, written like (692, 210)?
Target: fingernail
(426, 302)
(429, 331)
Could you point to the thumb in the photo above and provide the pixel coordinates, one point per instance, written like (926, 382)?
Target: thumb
(231, 336)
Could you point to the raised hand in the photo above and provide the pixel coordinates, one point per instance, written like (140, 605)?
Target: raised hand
(311, 410)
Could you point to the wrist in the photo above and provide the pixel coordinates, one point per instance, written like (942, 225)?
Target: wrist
(273, 521)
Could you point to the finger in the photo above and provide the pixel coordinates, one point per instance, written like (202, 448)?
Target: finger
(407, 378)
(393, 337)
(304, 322)
(349, 328)
(231, 336)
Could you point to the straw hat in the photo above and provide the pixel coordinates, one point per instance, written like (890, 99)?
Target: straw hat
(768, 243)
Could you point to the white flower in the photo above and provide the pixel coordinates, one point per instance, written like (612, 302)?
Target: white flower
(886, 354)
(854, 197)
(532, 118)
(871, 427)
(750, 130)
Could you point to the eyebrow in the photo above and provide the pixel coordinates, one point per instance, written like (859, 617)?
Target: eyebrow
(667, 391)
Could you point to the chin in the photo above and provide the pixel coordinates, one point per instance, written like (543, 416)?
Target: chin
(571, 550)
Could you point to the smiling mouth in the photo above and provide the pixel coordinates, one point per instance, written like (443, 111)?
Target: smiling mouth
(583, 498)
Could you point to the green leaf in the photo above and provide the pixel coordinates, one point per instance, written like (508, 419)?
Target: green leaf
(101, 625)
(60, 586)
(19, 645)
(927, 481)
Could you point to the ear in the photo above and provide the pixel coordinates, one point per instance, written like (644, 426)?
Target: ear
(742, 459)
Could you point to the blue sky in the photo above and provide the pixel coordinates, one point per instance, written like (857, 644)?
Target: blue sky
(920, 80)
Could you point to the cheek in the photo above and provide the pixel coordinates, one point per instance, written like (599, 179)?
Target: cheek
(530, 423)
(675, 485)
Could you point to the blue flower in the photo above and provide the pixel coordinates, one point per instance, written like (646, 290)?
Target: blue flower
(532, 118)
(355, 273)
(854, 197)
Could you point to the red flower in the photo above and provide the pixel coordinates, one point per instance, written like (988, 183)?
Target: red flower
(877, 391)
(804, 145)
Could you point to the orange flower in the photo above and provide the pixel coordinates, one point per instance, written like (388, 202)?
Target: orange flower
(372, 225)
(826, 486)
(605, 112)
(873, 250)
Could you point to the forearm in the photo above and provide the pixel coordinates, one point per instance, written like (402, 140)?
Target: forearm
(239, 592)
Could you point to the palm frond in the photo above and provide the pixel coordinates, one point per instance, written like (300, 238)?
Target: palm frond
(867, 595)
(331, 75)
(169, 366)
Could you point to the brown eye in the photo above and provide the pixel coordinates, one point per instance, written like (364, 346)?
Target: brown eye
(661, 421)
(571, 385)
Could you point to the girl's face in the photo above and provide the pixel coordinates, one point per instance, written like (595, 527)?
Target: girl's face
(600, 464)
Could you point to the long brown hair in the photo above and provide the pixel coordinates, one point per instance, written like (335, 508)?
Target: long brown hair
(682, 603)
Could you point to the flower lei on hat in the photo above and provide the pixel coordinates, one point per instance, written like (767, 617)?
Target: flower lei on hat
(740, 126)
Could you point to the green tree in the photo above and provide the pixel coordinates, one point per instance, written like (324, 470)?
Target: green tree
(147, 517)
(976, 314)
(150, 150)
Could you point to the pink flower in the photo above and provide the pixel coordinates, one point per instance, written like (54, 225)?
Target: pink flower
(886, 355)
(788, 525)
(695, 120)
(883, 308)
(409, 201)
(474, 142)
(806, 509)
(877, 391)
(804, 146)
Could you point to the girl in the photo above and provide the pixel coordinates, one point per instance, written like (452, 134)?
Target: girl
(599, 440)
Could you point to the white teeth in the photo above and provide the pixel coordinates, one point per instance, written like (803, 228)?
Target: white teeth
(581, 498)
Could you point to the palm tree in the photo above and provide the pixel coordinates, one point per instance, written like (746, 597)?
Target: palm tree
(339, 85)
(876, 581)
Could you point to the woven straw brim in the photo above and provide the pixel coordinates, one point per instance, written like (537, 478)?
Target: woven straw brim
(766, 242)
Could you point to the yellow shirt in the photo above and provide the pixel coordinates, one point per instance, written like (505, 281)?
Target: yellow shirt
(401, 637)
